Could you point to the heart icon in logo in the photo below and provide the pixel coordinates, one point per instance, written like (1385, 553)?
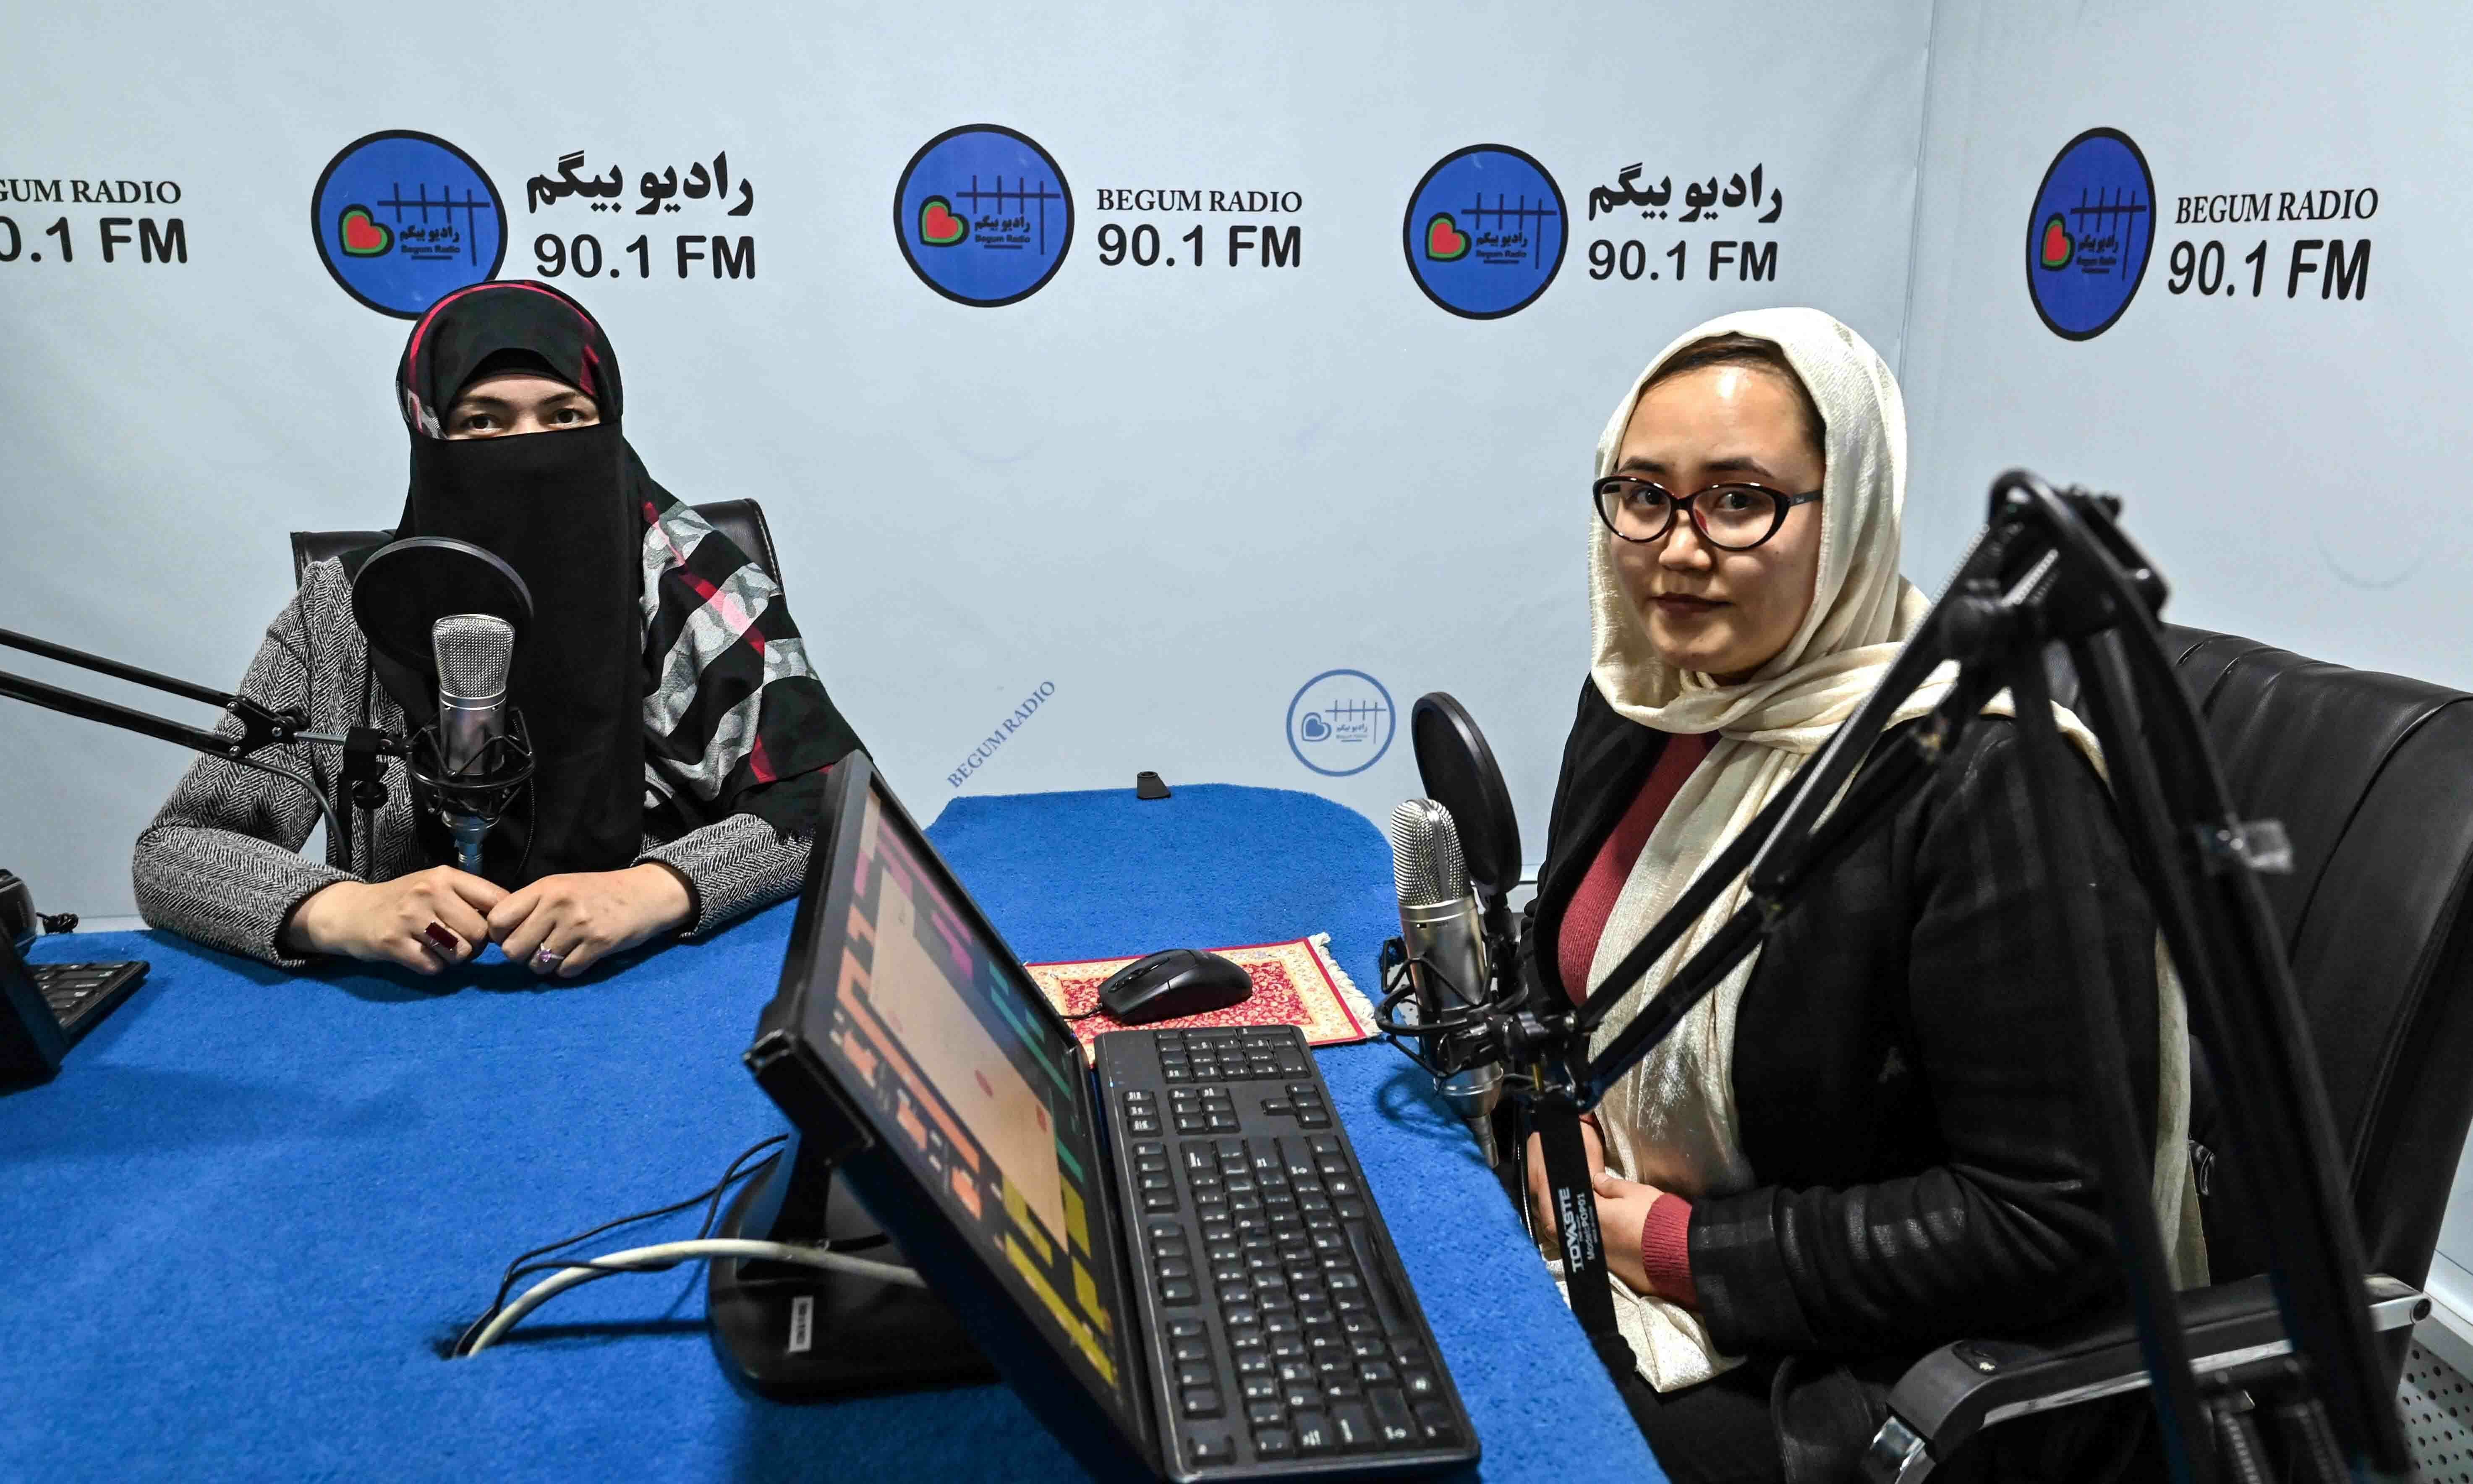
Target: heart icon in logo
(364, 236)
(1444, 240)
(938, 226)
(2058, 248)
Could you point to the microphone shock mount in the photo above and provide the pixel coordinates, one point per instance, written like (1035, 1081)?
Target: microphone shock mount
(471, 801)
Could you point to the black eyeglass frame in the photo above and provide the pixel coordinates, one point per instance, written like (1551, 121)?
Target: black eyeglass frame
(1780, 503)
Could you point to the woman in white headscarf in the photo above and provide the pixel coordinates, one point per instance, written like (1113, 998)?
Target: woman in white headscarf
(1864, 1142)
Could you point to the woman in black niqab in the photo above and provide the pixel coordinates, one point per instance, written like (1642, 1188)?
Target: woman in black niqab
(680, 737)
(560, 511)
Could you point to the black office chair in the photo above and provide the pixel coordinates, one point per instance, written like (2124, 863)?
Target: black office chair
(741, 520)
(2372, 778)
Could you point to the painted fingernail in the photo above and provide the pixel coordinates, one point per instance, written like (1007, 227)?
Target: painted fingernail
(442, 940)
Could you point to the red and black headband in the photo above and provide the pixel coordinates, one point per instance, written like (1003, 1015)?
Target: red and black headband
(473, 326)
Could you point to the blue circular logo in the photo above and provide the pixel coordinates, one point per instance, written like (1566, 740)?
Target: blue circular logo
(1340, 722)
(403, 219)
(983, 215)
(1484, 232)
(2090, 233)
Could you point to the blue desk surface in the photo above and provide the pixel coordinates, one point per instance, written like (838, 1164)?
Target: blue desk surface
(244, 1218)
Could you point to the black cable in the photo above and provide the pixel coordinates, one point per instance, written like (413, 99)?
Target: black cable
(308, 710)
(521, 1268)
(368, 825)
(1087, 1014)
(1400, 988)
(308, 671)
(516, 1268)
(660, 1264)
(324, 808)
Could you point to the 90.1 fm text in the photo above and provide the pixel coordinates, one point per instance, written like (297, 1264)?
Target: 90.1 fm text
(726, 257)
(157, 242)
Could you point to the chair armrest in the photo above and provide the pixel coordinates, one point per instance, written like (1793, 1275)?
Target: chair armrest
(1958, 1390)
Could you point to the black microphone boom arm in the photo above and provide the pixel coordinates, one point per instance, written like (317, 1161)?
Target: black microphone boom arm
(261, 726)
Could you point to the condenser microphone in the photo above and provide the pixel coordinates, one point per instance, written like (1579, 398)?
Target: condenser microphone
(1444, 935)
(474, 652)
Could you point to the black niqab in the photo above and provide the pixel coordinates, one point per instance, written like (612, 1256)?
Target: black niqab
(558, 508)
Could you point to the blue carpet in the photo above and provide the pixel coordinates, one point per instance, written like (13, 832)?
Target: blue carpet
(253, 1204)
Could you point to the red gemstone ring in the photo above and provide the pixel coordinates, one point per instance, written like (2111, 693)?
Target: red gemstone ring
(442, 940)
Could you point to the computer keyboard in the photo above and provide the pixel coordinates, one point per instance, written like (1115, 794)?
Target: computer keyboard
(75, 991)
(1284, 1332)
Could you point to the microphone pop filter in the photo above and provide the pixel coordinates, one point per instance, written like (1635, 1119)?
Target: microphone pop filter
(403, 589)
(1460, 773)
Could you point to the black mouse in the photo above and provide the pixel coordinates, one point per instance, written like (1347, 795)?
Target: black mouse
(1178, 982)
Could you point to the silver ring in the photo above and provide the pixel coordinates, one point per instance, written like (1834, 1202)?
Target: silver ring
(545, 959)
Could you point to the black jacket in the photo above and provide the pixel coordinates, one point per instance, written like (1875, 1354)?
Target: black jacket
(1904, 1072)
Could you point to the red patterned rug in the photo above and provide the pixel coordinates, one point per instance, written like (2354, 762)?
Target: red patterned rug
(1295, 983)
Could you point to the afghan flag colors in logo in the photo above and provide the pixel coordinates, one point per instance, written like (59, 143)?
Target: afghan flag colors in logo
(2090, 231)
(363, 235)
(938, 226)
(403, 219)
(982, 215)
(2058, 246)
(1484, 232)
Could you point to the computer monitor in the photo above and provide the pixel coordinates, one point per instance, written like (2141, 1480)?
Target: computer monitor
(32, 1041)
(921, 1063)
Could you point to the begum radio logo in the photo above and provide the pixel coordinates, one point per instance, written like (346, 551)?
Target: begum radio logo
(983, 215)
(1484, 232)
(403, 219)
(2089, 233)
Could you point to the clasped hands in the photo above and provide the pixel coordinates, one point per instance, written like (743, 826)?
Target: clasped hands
(559, 925)
(1622, 1207)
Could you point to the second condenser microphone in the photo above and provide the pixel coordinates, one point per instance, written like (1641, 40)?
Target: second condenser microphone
(474, 651)
(1440, 927)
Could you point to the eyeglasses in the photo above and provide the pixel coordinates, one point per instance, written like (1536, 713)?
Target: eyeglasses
(1733, 517)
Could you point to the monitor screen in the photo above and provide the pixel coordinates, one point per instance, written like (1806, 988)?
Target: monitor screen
(973, 1083)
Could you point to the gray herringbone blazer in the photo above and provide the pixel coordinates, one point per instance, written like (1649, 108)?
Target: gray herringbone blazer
(222, 863)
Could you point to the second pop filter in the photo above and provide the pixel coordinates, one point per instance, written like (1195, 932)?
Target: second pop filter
(1460, 773)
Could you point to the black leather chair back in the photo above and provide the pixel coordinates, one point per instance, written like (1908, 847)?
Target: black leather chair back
(2372, 778)
(309, 546)
(741, 520)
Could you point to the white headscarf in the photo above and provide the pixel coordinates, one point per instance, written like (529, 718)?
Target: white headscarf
(1671, 1123)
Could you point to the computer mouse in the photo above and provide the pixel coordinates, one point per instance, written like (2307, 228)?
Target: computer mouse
(1178, 982)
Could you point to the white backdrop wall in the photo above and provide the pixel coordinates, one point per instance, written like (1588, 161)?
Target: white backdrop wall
(2292, 459)
(1162, 499)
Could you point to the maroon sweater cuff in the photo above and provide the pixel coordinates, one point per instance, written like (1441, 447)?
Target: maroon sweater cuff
(1665, 1251)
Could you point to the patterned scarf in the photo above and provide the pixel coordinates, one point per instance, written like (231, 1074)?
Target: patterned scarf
(735, 720)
